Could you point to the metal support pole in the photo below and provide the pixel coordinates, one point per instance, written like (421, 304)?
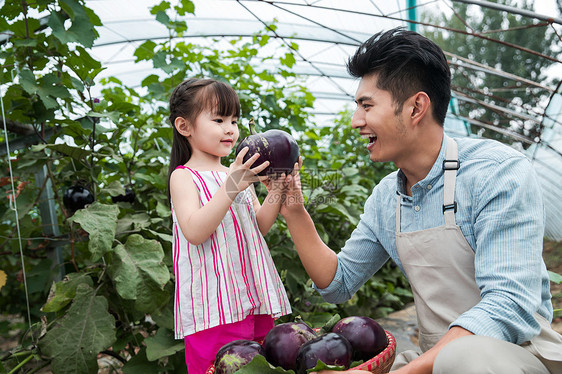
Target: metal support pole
(510, 9)
(49, 220)
(412, 15)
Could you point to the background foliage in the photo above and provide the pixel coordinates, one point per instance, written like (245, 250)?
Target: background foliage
(116, 297)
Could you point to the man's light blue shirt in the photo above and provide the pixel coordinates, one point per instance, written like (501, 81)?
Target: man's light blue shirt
(500, 212)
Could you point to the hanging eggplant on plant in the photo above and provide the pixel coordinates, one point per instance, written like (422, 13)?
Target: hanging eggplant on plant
(276, 146)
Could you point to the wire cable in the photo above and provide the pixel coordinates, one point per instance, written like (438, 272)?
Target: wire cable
(14, 207)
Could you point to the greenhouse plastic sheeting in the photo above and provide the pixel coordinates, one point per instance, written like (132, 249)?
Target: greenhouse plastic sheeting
(327, 32)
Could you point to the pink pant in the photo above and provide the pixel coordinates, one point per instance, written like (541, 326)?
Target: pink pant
(202, 347)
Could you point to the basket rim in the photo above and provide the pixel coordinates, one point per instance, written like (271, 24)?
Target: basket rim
(382, 356)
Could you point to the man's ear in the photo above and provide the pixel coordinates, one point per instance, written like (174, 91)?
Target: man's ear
(420, 105)
(183, 127)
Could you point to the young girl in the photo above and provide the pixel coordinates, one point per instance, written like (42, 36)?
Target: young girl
(227, 287)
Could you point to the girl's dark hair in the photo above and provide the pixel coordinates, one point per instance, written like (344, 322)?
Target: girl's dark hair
(188, 100)
(406, 62)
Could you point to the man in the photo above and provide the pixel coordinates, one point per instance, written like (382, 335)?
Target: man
(462, 218)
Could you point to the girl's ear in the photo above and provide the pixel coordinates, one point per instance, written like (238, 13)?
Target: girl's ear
(183, 127)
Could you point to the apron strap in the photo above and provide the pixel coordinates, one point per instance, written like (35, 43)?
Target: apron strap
(450, 166)
(398, 204)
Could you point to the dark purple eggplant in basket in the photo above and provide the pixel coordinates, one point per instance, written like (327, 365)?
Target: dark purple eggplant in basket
(276, 146)
(232, 356)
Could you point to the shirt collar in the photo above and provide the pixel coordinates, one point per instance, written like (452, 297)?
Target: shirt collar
(431, 178)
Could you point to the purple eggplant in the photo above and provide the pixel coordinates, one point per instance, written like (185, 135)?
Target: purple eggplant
(276, 146)
(330, 348)
(232, 356)
(365, 334)
(282, 343)
(77, 197)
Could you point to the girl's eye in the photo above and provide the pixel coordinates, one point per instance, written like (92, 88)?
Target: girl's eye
(218, 120)
(235, 123)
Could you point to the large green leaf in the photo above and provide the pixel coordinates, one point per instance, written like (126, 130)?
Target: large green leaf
(63, 292)
(81, 29)
(76, 339)
(100, 221)
(48, 88)
(162, 344)
(139, 272)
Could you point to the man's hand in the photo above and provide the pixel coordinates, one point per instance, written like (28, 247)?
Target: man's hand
(293, 199)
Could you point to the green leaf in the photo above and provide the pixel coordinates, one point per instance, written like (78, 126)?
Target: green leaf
(27, 81)
(145, 51)
(67, 150)
(322, 366)
(162, 344)
(259, 365)
(151, 79)
(159, 60)
(48, 88)
(339, 209)
(139, 272)
(113, 116)
(163, 18)
(115, 188)
(555, 277)
(25, 42)
(63, 292)
(84, 65)
(288, 60)
(100, 221)
(187, 6)
(166, 237)
(82, 29)
(162, 7)
(76, 339)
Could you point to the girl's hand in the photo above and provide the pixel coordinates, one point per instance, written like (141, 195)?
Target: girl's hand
(241, 174)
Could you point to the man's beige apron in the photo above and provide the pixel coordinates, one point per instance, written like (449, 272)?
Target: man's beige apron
(439, 264)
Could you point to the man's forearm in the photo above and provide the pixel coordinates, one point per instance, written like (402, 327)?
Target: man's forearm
(424, 363)
(319, 261)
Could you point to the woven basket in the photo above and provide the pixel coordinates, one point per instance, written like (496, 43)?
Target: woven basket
(380, 364)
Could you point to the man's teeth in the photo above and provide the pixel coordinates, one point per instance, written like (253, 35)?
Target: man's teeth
(371, 137)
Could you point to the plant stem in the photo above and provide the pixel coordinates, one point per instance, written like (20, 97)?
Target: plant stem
(39, 368)
(21, 364)
(252, 126)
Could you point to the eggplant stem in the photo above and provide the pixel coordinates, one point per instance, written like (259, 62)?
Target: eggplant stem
(252, 126)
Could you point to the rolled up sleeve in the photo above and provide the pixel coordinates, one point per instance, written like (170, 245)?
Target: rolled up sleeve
(358, 260)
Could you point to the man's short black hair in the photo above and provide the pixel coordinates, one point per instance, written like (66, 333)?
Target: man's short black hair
(405, 62)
